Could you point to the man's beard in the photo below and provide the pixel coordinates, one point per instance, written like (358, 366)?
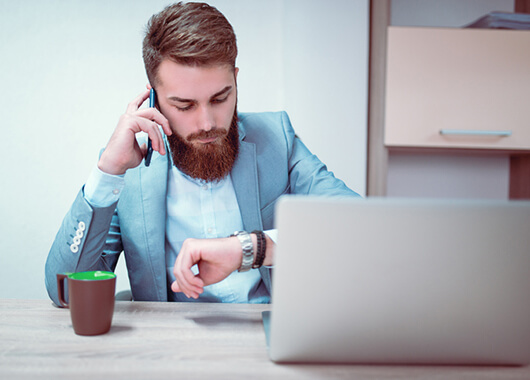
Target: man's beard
(209, 162)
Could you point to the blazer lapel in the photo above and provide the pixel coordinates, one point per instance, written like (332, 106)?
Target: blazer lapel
(244, 176)
(245, 180)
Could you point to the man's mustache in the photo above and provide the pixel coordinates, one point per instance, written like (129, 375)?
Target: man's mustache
(212, 133)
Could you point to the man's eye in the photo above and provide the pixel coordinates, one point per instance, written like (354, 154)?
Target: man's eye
(186, 108)
(219, 100)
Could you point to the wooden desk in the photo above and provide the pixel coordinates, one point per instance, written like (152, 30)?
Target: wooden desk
(174, 341)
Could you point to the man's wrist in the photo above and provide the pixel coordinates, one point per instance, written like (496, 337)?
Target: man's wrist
(247, 248)
(262, 250)
(109, 169)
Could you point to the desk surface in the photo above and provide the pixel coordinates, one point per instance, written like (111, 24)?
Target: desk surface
(175, 340)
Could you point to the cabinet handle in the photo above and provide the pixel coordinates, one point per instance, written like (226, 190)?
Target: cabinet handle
(475, 133)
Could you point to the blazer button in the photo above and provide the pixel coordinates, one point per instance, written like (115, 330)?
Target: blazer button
(74, 248)
(81, 226)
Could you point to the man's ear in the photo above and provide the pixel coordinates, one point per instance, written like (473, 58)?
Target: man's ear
(236, 70)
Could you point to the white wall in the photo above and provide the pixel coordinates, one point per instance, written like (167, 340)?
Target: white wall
(454, 175)
(69, 68)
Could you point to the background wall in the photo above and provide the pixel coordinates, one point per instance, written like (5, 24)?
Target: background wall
(69, 68)
(454, 175)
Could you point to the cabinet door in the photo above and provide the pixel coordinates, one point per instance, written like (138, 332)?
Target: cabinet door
(458, 88)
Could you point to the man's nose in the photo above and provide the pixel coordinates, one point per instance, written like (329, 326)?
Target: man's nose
(205, 120)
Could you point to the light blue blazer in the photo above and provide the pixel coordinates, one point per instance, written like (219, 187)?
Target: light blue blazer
(272, 161)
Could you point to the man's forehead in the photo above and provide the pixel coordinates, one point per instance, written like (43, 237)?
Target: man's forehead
(191, 81)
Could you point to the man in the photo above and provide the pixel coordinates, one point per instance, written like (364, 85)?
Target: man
(213, 171)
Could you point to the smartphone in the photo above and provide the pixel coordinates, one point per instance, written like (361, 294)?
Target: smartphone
(149, 143)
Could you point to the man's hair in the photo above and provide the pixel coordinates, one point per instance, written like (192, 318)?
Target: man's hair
(193, 34)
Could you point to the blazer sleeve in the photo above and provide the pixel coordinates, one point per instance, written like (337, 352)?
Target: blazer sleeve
(307, 174)
(88, 239)
(284, 164)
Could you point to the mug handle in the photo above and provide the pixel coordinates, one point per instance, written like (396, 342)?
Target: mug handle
(60, 288)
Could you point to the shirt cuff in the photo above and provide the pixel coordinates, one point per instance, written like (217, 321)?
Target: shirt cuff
(103, 189)
(273, 234)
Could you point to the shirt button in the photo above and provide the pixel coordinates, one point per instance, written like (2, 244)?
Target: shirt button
(205, 187)
(210, 230)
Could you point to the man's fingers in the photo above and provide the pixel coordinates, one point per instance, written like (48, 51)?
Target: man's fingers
(122, 152)
(137, 102)
(157, 141)
(188, 293)
(188, 282)
(148, 120)
(155, 115)
(185, 280)
(186, 288)
(140, 124)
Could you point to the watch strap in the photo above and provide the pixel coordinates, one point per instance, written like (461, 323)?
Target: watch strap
(261, 248)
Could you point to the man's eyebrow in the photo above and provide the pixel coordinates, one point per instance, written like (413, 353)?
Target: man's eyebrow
(223, 91)
(182, 100)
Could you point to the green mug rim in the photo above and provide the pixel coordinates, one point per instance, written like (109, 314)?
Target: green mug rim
(95, 275)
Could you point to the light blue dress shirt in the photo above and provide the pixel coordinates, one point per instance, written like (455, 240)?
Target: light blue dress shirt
(195, 209)
(202, 210)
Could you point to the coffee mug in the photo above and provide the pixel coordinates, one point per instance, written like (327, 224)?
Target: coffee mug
(91, 300)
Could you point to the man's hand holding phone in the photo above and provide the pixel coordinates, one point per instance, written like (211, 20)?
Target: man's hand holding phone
(122, 151)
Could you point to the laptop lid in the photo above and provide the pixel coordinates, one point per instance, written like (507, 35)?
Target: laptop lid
(401, 281)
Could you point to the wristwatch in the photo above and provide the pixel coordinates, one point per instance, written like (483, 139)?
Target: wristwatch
(248, 250)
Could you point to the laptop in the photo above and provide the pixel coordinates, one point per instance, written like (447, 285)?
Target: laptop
(396, 281)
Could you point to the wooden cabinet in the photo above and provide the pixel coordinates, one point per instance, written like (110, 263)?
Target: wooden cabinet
(458, 88)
